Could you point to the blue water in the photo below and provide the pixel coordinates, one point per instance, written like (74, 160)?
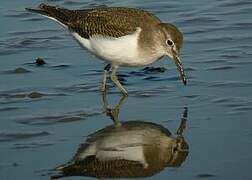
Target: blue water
(38, 134)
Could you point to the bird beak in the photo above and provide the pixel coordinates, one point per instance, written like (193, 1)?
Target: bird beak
(179, 65)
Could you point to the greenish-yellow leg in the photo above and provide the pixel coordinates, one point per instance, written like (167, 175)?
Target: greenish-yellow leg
(113, 113)
(105, 76)
(116, 82)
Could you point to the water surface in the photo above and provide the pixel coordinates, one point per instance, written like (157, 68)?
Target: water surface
(47, 111)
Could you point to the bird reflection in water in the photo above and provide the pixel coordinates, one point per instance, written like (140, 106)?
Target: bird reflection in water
(127, 149)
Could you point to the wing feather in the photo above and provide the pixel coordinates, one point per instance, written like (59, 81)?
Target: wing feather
(112, 22)
(105, 21)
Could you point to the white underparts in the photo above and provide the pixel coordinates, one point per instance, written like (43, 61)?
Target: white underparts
(118, 51)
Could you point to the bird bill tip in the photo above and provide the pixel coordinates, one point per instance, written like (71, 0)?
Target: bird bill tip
(180, 69)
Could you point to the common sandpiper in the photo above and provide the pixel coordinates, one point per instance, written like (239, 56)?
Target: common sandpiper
(120, 36)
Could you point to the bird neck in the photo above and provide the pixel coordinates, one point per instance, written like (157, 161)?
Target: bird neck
(150, 43)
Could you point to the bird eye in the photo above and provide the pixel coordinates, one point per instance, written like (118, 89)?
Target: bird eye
(169, 42)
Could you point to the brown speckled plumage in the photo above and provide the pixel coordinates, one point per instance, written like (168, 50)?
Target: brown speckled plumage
(113, 21)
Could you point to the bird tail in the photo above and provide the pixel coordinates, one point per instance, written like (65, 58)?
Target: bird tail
(59, 14)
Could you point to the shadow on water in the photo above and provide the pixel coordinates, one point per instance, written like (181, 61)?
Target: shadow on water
(127, 149)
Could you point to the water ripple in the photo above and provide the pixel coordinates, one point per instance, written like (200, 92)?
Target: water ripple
(234, 104)
(71, 2)
(150, 92)
(9, 97)
(9, 109)
(205, 176)
(231, 84)
(13, 136)
(17, 14)
(34, 31)
(78, 88)
(224, 67)
(234, 3)
(58, 118)
(18, 70)
(32, 145)
(20, 44)
(213, 61)
(199, 20)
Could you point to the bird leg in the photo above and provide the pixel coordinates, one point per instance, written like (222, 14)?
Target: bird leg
(113, 113)
(182, 126)
(116, 82)
(105, 76)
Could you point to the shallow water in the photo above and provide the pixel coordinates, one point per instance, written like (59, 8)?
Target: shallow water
(47, 111)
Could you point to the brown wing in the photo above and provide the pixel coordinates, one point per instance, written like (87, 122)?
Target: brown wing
(113, 22)
(106, 21)
(117, 168)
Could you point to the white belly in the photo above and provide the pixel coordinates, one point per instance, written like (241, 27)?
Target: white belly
(121, 51)
(116, 146)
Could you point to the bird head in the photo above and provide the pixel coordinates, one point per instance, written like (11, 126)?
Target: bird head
(172, 42)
